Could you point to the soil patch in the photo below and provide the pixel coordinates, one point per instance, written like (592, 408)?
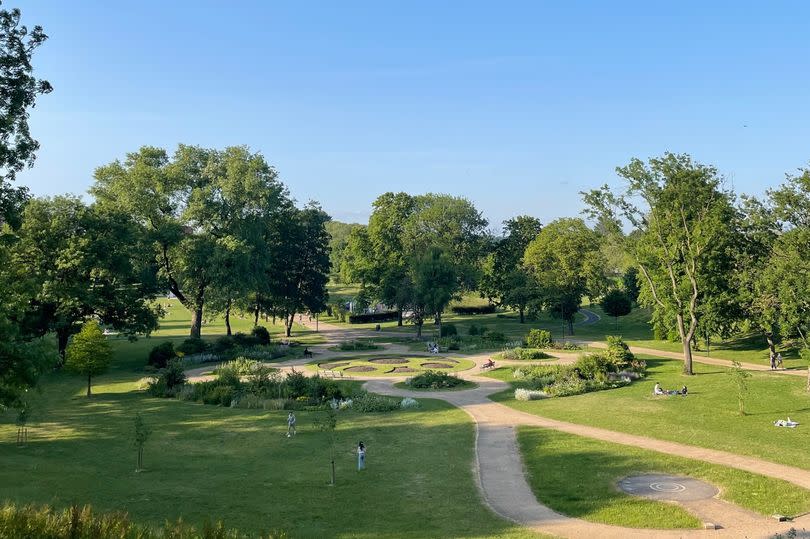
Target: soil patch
(437, 365)
(667, 487)
(359, 368)
(404, 369)
(389, 360)
(330, 366)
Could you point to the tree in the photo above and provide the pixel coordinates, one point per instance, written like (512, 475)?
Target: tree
(327, 423)
(566, 262)
(504, 278)
(142, 432)
(630, 283)
(434, 284)
(681, 236)
(89, 353)
(299, 275)
(200, 210)
(338, 241)
(616, 303)
(82, 262)
(740, 377)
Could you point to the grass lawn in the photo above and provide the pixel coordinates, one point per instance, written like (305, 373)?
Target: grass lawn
(206, 462)
(707, 417)
(386, 364)
(177, 322)
(577, 476)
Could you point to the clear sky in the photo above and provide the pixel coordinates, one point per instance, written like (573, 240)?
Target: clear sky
(516, 105)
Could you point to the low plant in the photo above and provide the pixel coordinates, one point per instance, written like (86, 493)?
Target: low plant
(449, 330)
(523, 394)
(369, 402)
(408, 403)
(168, 381)
(495, 336)
(160, 355)
(192, 345)
(522, 354)
(475, 330)
(356, 344)
(435, 380)
(261, 334)
(240, 366)
(538, 338)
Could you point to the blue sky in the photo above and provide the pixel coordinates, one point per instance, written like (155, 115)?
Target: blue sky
(516, 105)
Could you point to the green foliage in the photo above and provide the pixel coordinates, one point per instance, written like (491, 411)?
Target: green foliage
(169, 380)
(619, 352)
(192, 345)
(449, 330)
(356, 344)
(435, 380)
(616, 303)
(240, 366)
(370, 402)
(740, 377)
(89, 353)
(538, 338)
(631, 284)
(495, 336)
(76, 522)
(261, 335)
(522, 354)
(142, 432)
(161, 354)
(475, 330)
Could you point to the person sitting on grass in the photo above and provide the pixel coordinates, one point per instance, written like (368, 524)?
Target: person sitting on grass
(657, 390)
(684, 391)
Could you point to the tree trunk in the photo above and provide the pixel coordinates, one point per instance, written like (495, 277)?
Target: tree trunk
(256, 316)
(196, 321)
(62, 336)
(89, 377)
(333, 471)
(771, 344)
(687, 345)
(522, 319)
(439, 322)
(570, 327)
(288, 325)
(228, 318)
(399, 318)
(419, 331)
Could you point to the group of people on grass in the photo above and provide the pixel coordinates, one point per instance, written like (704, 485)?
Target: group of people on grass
(658, 390)
(361, 447)
(776, 360)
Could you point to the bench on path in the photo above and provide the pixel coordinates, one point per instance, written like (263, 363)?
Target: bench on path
(330, 374)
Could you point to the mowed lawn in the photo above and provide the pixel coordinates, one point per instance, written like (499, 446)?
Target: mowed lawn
(208, 463)
(707, 417)
(577, 476)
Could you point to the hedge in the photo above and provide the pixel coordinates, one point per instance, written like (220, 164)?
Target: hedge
(465, 309)
(367, 318)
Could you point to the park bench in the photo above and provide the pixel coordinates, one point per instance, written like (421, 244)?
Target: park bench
(488, 365)
(307, 352)
(331, 374)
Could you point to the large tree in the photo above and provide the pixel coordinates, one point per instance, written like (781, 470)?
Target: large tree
(567, 264)
(681, 224)
(82, 262)
(431, 283)
(198, 210)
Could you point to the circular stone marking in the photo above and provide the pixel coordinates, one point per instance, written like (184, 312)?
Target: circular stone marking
(437, 366)
(330, 366)
(667, 487)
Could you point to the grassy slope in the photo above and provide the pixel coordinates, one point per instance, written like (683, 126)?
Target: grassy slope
(577, 476)
(707, 417)
(210, 462)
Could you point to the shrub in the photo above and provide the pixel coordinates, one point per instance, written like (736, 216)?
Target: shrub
(529, 394)
(570, 385)
(538, 338)
(369, 402)
(619, 352)
(594, 366)
(160, 355)
(245, 341)
(240, 366)
(434, 380)
(496, 336)
(261, 334)
(473, 309)
(367, 318)
(477, 330)
(220, 395)
(169, 380)
(523, 354)
(192, 345)
(567, 345)
(223, 344)
(449, 330)
(356, 344)
(409, 402)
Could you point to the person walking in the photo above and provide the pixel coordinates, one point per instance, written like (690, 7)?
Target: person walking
(773, 360)
(778, 360)
(361, 456)
(290, 424)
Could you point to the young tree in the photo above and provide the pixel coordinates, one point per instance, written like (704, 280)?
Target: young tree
(327, 424)
(616, 303)
(89, 353)
(630, 283)
(681, 235)
(740, 377)
(566, 262)
(142, 432)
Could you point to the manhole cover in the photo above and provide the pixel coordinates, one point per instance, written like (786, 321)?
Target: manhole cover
(667, 487)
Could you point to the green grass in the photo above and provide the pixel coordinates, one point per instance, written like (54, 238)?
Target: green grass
(577, 476)
(707, 417)
(381, 369)
(207, 462)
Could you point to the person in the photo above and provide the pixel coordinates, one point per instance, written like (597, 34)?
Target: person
(290, 424)
(657, 390)
(778, 360)
(773, 360)
(361, 456)
(684, 391)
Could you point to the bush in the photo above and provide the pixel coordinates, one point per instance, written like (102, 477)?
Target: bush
(435, 380)
(477, 330)
(529, 394)
(246, 341)
(495, 336)
(240, 366)
(367, 318)
(76, 522)
(566, 345)
(223, 344)
(538, 338)
(220, 395)
(160, 355)
(408, 402)
(449, 330)
(564, 387)
(192, 345)
(477, 309)
(369, 402)
(356, 344)
(261, 335)
(169, 380)
(523, 354)
(594, 366)
(619, 352)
